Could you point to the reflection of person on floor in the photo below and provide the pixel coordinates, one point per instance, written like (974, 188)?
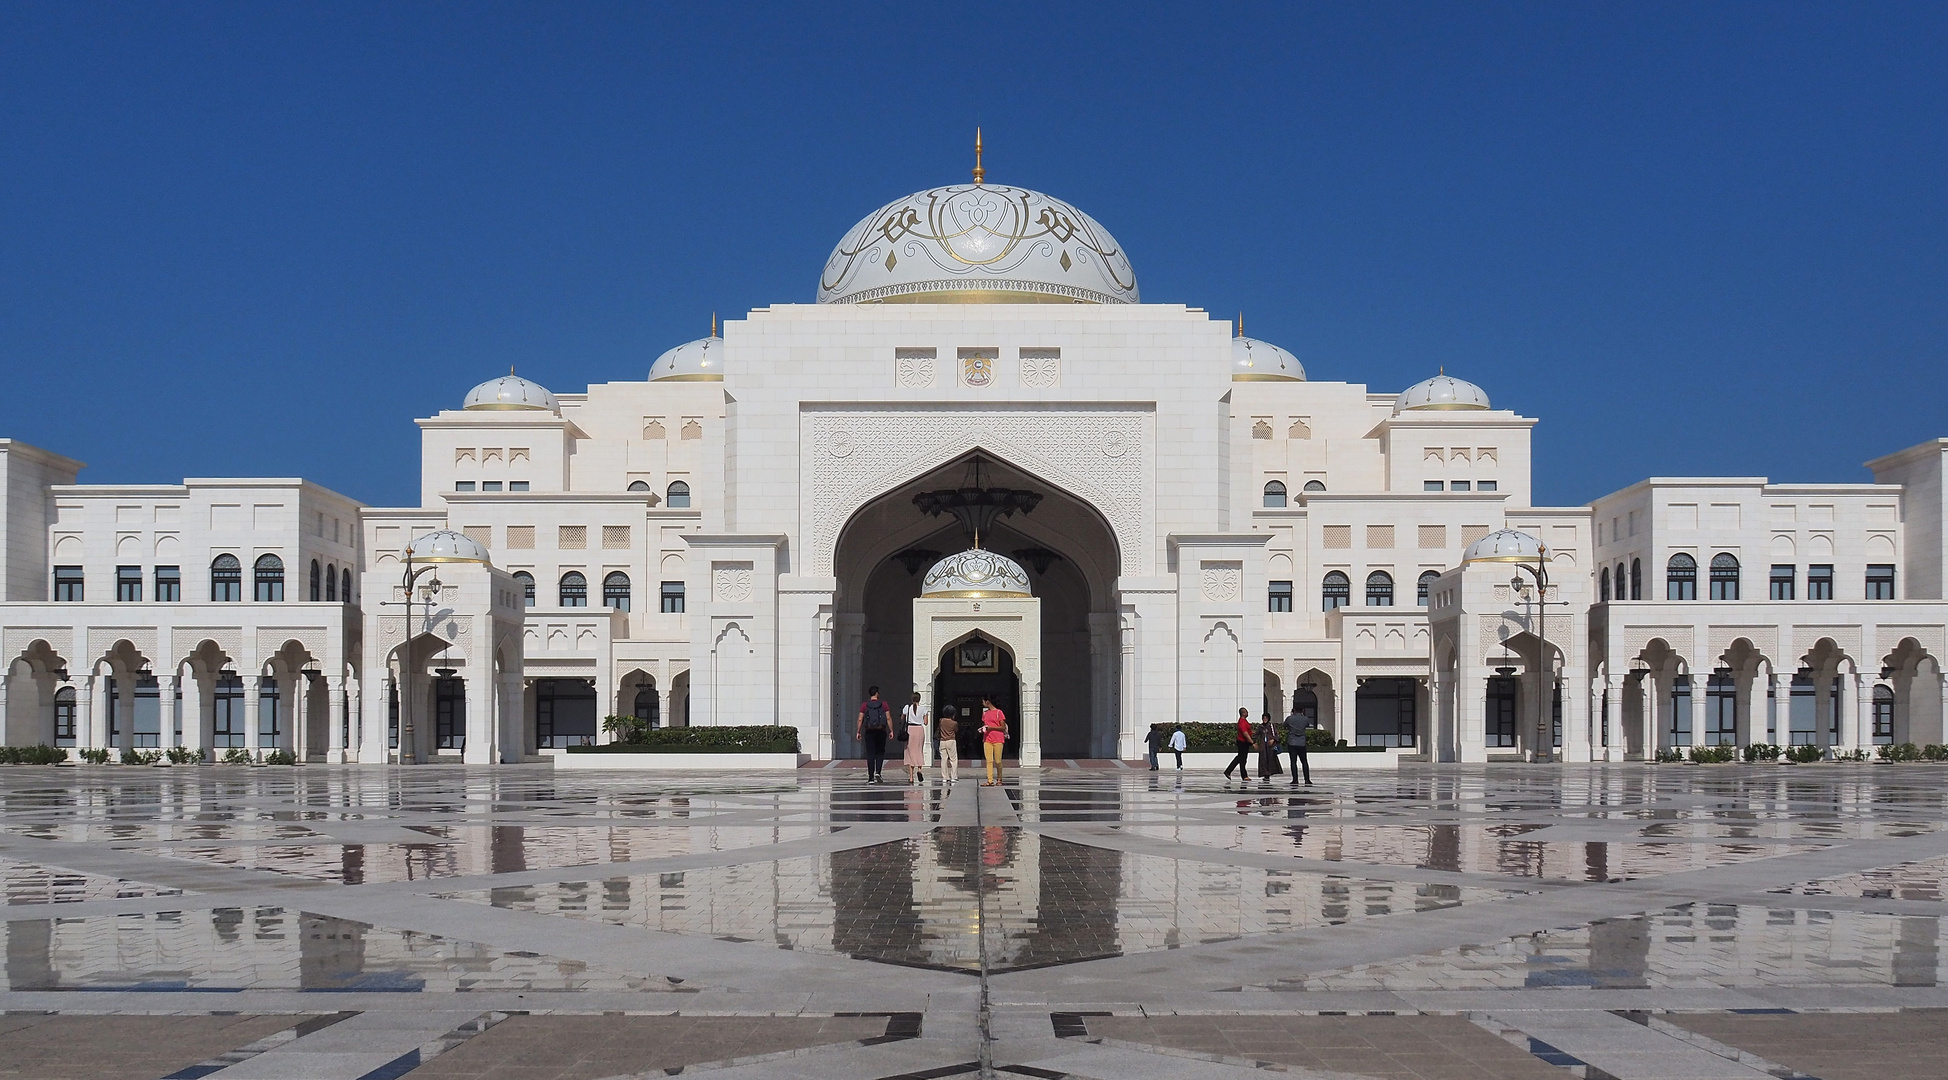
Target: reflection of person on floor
(949, 730)
(1179, 744)
(872, 728)
(994, 734)
(1268, 765)
(1246, 738)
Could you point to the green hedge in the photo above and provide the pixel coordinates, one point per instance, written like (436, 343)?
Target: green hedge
(32, 755)
(744, 739)
(1205, 738)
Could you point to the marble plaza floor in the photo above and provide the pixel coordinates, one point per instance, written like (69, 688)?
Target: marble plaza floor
(1627, 921)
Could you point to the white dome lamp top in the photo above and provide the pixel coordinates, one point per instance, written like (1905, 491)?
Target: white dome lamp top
(701, 360)
(1442, 393)
(446, 546)
(510, 392)
(1253, 360)
(978, 243)
(976, 574)
(1505, 546)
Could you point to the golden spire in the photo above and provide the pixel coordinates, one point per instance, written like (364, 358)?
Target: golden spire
(510, 370)
(980, 174)
(713, 324)
(1241, 324)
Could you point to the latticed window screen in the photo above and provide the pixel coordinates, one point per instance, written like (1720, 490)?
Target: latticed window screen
(615, 537)
(1379, 536)
(1338, 536)
(480, 534)
(520, 537)
(1433, 537)
(1471, 533)
(572, 537)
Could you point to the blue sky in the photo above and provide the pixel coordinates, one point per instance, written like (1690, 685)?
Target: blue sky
(261, 239)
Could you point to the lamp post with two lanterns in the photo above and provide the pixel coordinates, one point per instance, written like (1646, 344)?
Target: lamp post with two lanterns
(424, 555)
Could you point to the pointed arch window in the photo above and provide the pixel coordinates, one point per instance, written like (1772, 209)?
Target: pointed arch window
(268, 575)
(1424, 588)
(678, 496)
(1724, 576)
(1275, 495)
(574, 589)
(526, 581)
(1379, 589)
(226, 579)
(615, 591)
(1636, 579)
(318, 581)
(345, 585)
(1603, 581)
(1335, 591)
(331, 583)
(1681, 578)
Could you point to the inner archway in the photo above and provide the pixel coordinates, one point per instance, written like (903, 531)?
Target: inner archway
(968, 671)
(1072, 560)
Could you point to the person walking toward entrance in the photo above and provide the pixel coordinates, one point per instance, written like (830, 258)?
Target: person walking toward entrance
(994, 735)
(1246, 739)
(1154, 740)
(1178, 744)
(1295, 729)
(872, 728)
(948, 727)
(915, 734)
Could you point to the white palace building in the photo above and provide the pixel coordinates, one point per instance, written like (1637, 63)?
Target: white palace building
(977, 464)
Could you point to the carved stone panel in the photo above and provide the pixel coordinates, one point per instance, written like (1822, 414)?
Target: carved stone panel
(1223, 581)
(731, 582)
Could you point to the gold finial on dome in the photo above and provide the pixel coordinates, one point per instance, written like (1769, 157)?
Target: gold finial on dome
(713, 324)
(980, 174)
(1241, 325)
(510, 370)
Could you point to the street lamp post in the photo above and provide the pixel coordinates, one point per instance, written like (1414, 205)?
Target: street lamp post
(423, 556)
(1531, 555)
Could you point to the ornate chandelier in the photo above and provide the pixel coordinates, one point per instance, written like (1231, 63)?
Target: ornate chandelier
(974, 504)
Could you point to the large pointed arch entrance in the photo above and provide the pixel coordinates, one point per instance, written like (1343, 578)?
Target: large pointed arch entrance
(1072, 559)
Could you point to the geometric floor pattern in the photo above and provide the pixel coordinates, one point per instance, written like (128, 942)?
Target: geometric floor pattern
(1628, 921)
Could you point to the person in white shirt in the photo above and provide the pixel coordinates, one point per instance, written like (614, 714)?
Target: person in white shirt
(1178, 744)
(915, 717)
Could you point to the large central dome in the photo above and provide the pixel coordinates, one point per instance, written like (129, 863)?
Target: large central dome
(978, 244)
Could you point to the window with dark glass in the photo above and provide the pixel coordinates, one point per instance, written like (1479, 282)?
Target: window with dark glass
(64, 713)
(1880, 581)
(1384, 712)
(128, 583)
(317, 581)
(1636, 579)
(574, 590)
(1458, 485)
(1315, 485)
(490, 485)
(1603, 580)
(1275, 495)
(1432, 485)
(1279, 596)
(615, 591)
(517, 485)
(564, 713)
(268, 709)
(68, 584)
(1423, 589)
(678, 496)
(169, 583)
(345, 585)
(331, 582)
(1784, 575)
(1486, 485)
(1721, 709)
(1623, 592)
(1681, 578)
(526, 581)
(450, 714)
(1819, 581)
(648, 707)
(1724, 576)
(672, 597)
(226, 578)
(145, 727)
(1680, 729)
(1335, 591)
(638, 485)
(229, 726)
(1499, 728)
(269, 577)
(1379, 589)
(463, 485)
(1884, 715)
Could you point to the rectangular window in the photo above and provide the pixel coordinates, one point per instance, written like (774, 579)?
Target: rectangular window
(1458, 485)
(227, 723)
(520, 538)
(1487, 485)
(1499, 728)
(463, 485)
(1432, 485)
(1680, 731)
(672, 597)
(145, 728)
(169, 584)
(517, 485)
(1379, 537)
(64, 710)
(1433, 537)
(67, 583)
(128, 584)
(1721, 710)
(1338, 537)
(615, 538)
(572, 537)
(490, 485)
(267, 726)
(1384, 714)
(1784, 576)
(1880, 581)
(450, 714)
(1819, 581)
(1279, 597)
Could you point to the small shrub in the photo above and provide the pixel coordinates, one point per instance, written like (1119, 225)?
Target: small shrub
(1705, 755)
(1669, 755)
(627, 729)
(1934, 752)
(1317, 737)
(32, 755)
(1803, 755)
(280, 757)
(1849, 755)
(1906, 751)
(727, 739)
(95, 755)
(236, 755)
(183, 755)
(132, 756)
(1763, 752)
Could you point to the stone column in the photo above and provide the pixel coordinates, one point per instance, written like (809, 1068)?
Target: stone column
(1577, 740)
(1432, 730)
(298, 739)
(821, 747)
(512, 706)
(8, 736)
(1031, 721)
(354, 731)
(1781, 709)
(1617, 746)
(1131, 724)
(94, 700)
(335, 719)
(166, 713)
(483, 733)
(1657, 714)
(1699, 683)
(1857, 724)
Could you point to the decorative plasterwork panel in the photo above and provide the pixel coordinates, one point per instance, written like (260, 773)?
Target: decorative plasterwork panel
(1765, 639)
(58, 638)
(1887, 638)
(1039, 372)
(1223, 581)
(730, 582)
(1637, 638)
(1097, 455)
(915, 372)
(103, 638)
(272, 638)
(227, 638)
(1846, 637)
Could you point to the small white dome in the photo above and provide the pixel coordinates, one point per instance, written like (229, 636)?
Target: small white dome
(510, 391)
(701, 360)
(978, 243)
(975, 574)
(1253, 360)
(446, 546)
(1504, 545)
(1442, 392)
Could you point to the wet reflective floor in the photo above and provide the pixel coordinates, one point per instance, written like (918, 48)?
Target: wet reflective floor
(443, 897)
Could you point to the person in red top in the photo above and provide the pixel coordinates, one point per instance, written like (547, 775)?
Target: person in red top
(1247, 739)
(994, 734)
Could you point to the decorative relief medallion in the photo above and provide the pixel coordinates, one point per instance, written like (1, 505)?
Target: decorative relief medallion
(731, 582)
(1223, 582)
(894, 447)
(1040, 372)
(915, 372)
(976, 368)
(839, 443)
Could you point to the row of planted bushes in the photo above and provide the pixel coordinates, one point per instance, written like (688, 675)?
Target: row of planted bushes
(1205, 738)
(634, 736)
(175, 755)
(1800, 755)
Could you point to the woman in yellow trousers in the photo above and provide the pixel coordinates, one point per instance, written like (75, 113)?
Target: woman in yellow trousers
(994, 734)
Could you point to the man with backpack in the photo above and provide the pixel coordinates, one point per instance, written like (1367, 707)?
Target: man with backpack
(874, 725)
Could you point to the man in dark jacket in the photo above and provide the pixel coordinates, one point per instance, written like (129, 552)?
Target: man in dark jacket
(1295, 728)
(875, 723)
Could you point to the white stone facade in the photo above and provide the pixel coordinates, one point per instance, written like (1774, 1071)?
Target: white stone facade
(737, 542)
